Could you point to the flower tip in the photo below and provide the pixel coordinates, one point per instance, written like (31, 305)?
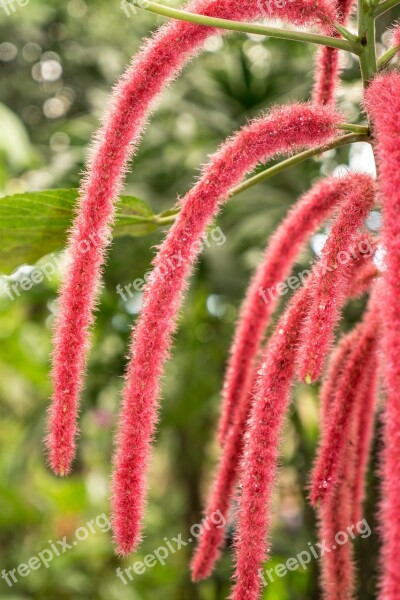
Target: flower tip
(124, 549)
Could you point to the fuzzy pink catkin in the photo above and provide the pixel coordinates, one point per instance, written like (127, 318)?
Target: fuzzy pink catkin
(262, 294)
(337, 363)
(383, 107)
(282, 130)
(337, 570)
(327, 68)
(335, 515)
(337, 432)
(364, 276)
(342, 507)
(364, 429)
(328, 289)
(159, 61)
(306, 215)
(259, 465)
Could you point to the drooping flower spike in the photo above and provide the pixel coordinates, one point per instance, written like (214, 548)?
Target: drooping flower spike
(364, 428)
(262, 295)
(282, 130)
(342, 509)
(383, 106)
(329, 287)
(327, 63)
(268, 409)
(340, 416)
(261, 439)
(337, 363)
(304, 218)
(159, 61)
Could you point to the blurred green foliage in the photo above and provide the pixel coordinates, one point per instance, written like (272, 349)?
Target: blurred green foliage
(58, 62)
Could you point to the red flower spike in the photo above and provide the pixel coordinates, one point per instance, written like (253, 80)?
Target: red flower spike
(342, 507)
(282, 130)
(328, 288)
(335, 435)
(159, 61)
(383, 106)
(259, 303)
(337, 365)
(327, 70)
(306, 215)
(364, 275)
(364, 428)
(364, 280)
(259, 465)
(335, 515)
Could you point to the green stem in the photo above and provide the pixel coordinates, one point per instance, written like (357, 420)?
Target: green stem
(346, 33)
(366, 33)
(280, 167)
(363, 129)
(385, 59)
(296, 160)
(383, 7)
(296, 36)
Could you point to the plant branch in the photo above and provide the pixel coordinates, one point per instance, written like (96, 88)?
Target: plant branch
(383, 7)
(362, 129)
(385, 59)
(344, 32)
(366, 33)
(297, 159)
(296, 36)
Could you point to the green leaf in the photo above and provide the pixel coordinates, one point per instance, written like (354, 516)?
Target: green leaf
(34, 224)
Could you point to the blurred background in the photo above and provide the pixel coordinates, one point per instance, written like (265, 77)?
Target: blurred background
(58, 62)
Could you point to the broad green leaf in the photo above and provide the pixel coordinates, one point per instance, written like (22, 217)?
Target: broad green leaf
(34, 224)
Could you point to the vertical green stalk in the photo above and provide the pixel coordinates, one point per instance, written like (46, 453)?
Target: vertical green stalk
(366, 32)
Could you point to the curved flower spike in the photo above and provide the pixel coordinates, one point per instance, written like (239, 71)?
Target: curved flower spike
(327, 70)
(337, 364)
(159, 61)
(258, 469)
(262, 295)
(383, 106)
(259, 462)
(364, 427)
(328, 287)
(340, 417)
(282, 130)
(304, 218)
(364, 276)
(343, 506)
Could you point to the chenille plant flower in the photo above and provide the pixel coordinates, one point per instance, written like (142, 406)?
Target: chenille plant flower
(303, 347)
